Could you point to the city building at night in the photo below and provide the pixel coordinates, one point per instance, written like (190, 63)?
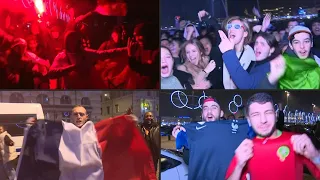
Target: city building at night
(58, 104)
(115, 103)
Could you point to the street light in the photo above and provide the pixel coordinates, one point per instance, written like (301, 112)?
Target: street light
(288, 94)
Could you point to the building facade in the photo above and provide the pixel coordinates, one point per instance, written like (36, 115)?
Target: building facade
(116, 103)
(58, 104)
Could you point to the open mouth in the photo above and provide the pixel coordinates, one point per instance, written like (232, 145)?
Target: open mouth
(258, 53)
(164, 69)
(303, 53)
(232, 36)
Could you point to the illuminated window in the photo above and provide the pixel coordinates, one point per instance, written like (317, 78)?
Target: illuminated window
(117, 108)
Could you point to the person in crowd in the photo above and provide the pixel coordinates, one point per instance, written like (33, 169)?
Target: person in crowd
(216, 76)
(301, 70)
(196, 63)
(175, 49)
(284, 153)
(115, 40)
(284, 34)
(190, 32)
(315, 26)
(21, 67)
(266, 55)
(205, 138)
(151, 132)
(239, 31)
(168, 80)
(75, 66)
(165, 43)
(8, 153)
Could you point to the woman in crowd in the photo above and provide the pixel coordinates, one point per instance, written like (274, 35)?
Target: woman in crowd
(175, 48)
(239, 31)
(168, 80)
(196, 63)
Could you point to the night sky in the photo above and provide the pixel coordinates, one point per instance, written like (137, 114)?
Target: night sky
(301, 100)
(189, 8)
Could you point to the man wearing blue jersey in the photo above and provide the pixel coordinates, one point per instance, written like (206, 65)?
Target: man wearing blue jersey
(209, 145)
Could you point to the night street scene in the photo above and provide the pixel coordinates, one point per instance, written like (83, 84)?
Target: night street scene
(291, 112)
(247, 44)
(72, 135)
(79, 44)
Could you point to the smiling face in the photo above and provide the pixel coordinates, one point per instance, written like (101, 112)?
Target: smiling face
(166, 63)
(301, 45)
(262, 117)
(316, 28)
(193, 54)
(262, 49)
(236, 31)
(207, 45)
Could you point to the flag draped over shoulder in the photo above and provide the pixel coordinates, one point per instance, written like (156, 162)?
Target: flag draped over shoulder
(300, 74)
(125, 155)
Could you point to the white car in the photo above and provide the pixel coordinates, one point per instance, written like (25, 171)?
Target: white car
(173, 166)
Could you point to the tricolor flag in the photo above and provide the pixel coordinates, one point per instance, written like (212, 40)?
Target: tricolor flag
(111, 149)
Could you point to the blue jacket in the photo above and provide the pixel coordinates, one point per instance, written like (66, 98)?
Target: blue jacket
(243, 79)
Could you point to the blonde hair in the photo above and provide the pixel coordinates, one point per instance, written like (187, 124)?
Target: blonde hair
(246, 26)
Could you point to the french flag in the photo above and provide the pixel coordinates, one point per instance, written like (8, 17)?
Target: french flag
(110, 149)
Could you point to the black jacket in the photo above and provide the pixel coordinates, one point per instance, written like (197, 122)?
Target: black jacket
(153, 141)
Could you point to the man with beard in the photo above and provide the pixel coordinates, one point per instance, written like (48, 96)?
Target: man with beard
(280, 154)
(211, 142)
(151, 132)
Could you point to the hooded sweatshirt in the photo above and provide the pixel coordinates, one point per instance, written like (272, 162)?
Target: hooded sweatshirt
(8, 153)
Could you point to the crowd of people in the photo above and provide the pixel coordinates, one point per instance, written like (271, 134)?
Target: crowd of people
(97, 49)
(236, 54)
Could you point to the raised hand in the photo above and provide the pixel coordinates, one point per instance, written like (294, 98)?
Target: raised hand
(210, 67)
(133, 47)
(277, 69)
(266, 22)
(176, 130)
(202, 14)
(225, 44)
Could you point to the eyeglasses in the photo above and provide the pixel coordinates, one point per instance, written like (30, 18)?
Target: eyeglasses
(236, 26)
(76, 114)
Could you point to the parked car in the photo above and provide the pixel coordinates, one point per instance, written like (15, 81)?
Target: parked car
(173, 166)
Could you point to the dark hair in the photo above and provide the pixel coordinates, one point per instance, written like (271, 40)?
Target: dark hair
(315, 20)
(166, 33)
(293, 20)
(271, 41)
(207, 37)
(178, 40)
(168, 50)
(260, 98)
